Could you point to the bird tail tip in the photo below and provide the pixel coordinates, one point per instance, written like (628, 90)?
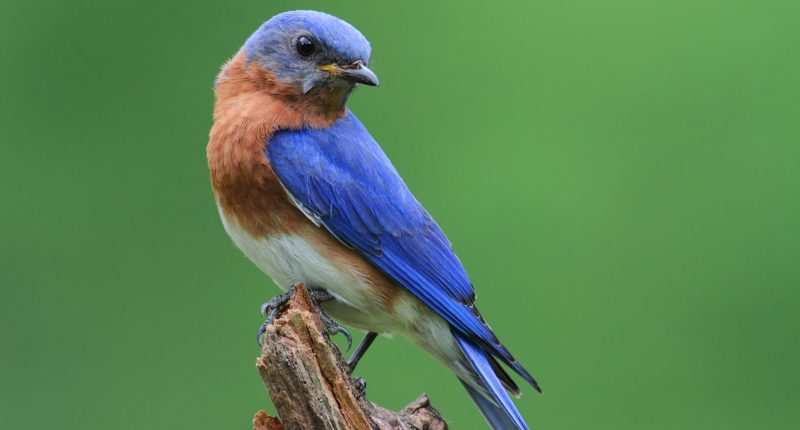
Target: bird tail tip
(492, 399)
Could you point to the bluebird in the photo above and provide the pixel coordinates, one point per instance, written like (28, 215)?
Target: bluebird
(307, 194)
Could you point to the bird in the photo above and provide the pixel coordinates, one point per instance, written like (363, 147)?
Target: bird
(308, 195)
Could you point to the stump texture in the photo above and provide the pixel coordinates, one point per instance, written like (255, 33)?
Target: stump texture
(310, 384)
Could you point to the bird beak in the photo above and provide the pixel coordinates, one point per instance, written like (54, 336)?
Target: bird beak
(356, 72)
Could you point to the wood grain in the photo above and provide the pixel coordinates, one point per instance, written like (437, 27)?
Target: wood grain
(310, 385)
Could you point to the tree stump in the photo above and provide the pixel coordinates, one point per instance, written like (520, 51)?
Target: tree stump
(310, 384)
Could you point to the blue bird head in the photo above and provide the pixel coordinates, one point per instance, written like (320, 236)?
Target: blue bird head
(312, 51)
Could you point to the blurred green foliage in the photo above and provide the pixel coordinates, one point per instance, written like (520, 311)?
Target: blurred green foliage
(620, 178)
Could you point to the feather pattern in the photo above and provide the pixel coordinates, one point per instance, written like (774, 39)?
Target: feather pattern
(342, 179)
(495, 405)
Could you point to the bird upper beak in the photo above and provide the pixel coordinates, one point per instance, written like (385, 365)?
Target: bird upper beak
(356, 72)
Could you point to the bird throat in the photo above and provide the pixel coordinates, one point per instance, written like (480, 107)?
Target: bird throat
(330, 97)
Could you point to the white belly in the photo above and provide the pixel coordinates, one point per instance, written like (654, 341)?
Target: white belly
(289, 259)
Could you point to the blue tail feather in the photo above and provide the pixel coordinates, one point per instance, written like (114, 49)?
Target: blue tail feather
(499, 411)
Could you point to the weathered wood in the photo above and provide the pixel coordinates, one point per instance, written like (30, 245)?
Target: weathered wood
(310, 384)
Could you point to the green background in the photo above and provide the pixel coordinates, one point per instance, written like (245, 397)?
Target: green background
(620, 178)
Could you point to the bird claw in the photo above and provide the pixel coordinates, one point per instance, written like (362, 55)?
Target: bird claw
(361, 386)
(276, 302)
(332, 329)
(320, 296)
(263, 329)
(271, 308)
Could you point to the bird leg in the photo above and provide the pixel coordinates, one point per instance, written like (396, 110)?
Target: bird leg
(360, 383)
(272, 307)
(361, 349)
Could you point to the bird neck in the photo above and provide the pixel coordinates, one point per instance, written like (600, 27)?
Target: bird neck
(251, 105)
(320, 107)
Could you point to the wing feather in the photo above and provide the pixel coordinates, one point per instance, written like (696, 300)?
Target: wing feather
(341, 178)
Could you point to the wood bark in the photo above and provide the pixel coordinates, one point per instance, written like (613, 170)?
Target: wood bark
(311, 386)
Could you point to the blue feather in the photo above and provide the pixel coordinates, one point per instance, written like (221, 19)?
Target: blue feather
(499, 412)
(334, 33)
(342, 178)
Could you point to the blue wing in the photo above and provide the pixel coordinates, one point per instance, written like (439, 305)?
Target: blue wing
(341, 177)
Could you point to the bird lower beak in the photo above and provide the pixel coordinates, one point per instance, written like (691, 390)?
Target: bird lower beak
(356, 72)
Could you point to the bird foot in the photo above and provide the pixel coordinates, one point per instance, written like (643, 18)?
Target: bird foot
(332, 328)
(361, 386)
(270, 310)
(272, 307)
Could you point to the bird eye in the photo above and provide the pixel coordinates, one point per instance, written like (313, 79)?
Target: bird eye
(305, 47)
